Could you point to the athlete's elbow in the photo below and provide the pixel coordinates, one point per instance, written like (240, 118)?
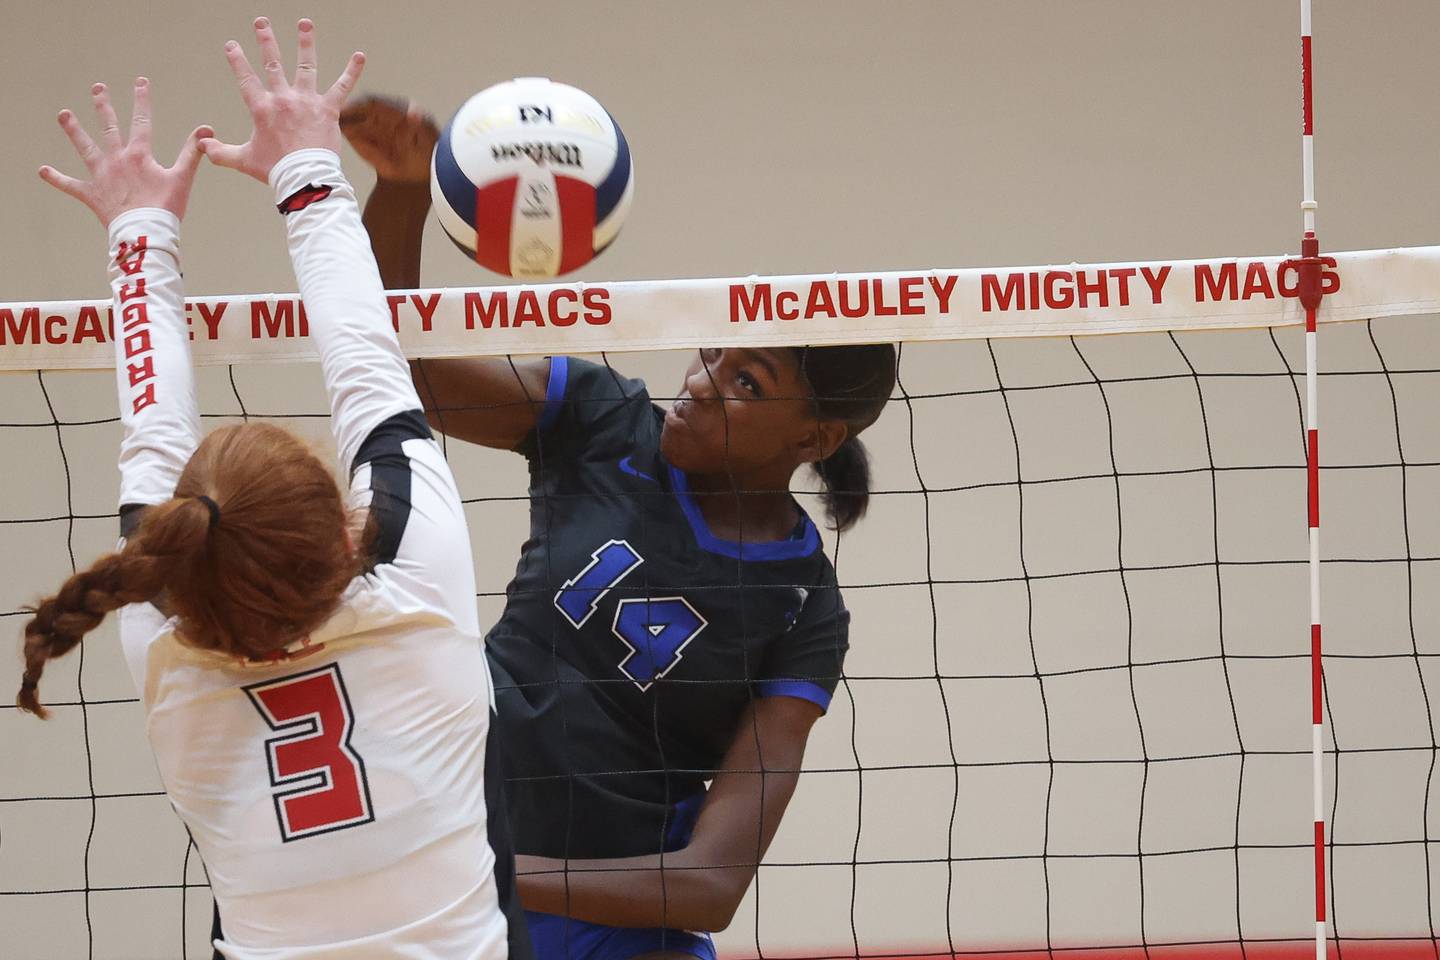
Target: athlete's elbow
(709, 918)
(719, 899)
(723, 916)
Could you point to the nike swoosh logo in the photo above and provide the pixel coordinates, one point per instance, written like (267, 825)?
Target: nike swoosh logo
(303, 197)
(628, 467)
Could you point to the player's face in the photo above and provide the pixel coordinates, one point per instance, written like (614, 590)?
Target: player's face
(741, 412)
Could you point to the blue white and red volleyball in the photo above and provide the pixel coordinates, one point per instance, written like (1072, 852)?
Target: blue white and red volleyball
(532, 178)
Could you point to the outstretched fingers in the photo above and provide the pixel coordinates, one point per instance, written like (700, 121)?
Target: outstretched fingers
(69, 185)
(273, 65)
(250, 87)
(84, 146)
(140, 115)
(305, 62)
(223, 154)
(124, 176)
(287, 117)
(344, 85)
(105, 113)
(188, 160)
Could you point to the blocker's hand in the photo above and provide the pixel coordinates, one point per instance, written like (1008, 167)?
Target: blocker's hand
(125, 175)
(395, 137)
(287, 117)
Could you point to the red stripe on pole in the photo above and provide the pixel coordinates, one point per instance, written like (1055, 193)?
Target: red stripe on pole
(1305, 86)
(1317, 677)
(1319, 871)
(1312, 484)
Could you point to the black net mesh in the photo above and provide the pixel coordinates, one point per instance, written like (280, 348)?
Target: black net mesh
(1075, 714)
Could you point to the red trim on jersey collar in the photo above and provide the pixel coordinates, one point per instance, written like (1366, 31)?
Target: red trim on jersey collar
(298, 650)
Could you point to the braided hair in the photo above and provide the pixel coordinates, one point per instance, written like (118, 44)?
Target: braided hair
(250, 555)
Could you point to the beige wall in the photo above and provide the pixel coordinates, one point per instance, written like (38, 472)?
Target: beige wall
(797, 137)
(800, 137)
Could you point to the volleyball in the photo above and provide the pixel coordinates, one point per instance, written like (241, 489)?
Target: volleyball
(532, 178)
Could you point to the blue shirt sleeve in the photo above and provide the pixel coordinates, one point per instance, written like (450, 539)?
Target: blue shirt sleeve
(807, 660)
(585, 404)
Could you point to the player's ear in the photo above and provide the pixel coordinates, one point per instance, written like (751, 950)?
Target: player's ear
(823, 439)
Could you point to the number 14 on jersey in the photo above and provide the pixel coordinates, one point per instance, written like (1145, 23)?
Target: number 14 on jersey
(654, 630)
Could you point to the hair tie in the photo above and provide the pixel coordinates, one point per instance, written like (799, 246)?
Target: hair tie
(213, 507)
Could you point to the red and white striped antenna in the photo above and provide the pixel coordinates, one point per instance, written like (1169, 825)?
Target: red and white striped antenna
(1309, 269)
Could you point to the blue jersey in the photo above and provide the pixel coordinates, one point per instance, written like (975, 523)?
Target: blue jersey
(632, 636)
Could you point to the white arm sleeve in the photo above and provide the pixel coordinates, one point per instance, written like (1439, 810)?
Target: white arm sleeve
(153, 375)
(422, 544)
(366, 376)
(155, 381)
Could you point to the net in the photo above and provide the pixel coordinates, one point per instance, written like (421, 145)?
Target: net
(1076, 707)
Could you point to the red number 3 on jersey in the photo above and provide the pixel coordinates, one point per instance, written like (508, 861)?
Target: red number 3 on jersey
(319, 779)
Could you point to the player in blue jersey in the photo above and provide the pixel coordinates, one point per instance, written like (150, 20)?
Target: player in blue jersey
(673, 619)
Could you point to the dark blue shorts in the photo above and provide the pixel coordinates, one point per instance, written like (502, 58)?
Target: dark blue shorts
(560, 938)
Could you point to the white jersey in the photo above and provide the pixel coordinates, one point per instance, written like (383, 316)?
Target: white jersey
(337, 798)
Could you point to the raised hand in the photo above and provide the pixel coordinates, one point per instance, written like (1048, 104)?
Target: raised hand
(125, 175)
(395, 137)
(287, 116)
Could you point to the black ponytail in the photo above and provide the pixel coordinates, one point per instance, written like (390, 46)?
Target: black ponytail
(852, 384)
(845, 475)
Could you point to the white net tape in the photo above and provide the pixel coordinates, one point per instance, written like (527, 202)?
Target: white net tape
(1076, 711)
(771, 311)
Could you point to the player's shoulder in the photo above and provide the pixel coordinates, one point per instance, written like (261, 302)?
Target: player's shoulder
(800, 583)
(819, 583)
(588, 382)
(598, 408)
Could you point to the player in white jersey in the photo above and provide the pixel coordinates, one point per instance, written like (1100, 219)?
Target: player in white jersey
(318, 711)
